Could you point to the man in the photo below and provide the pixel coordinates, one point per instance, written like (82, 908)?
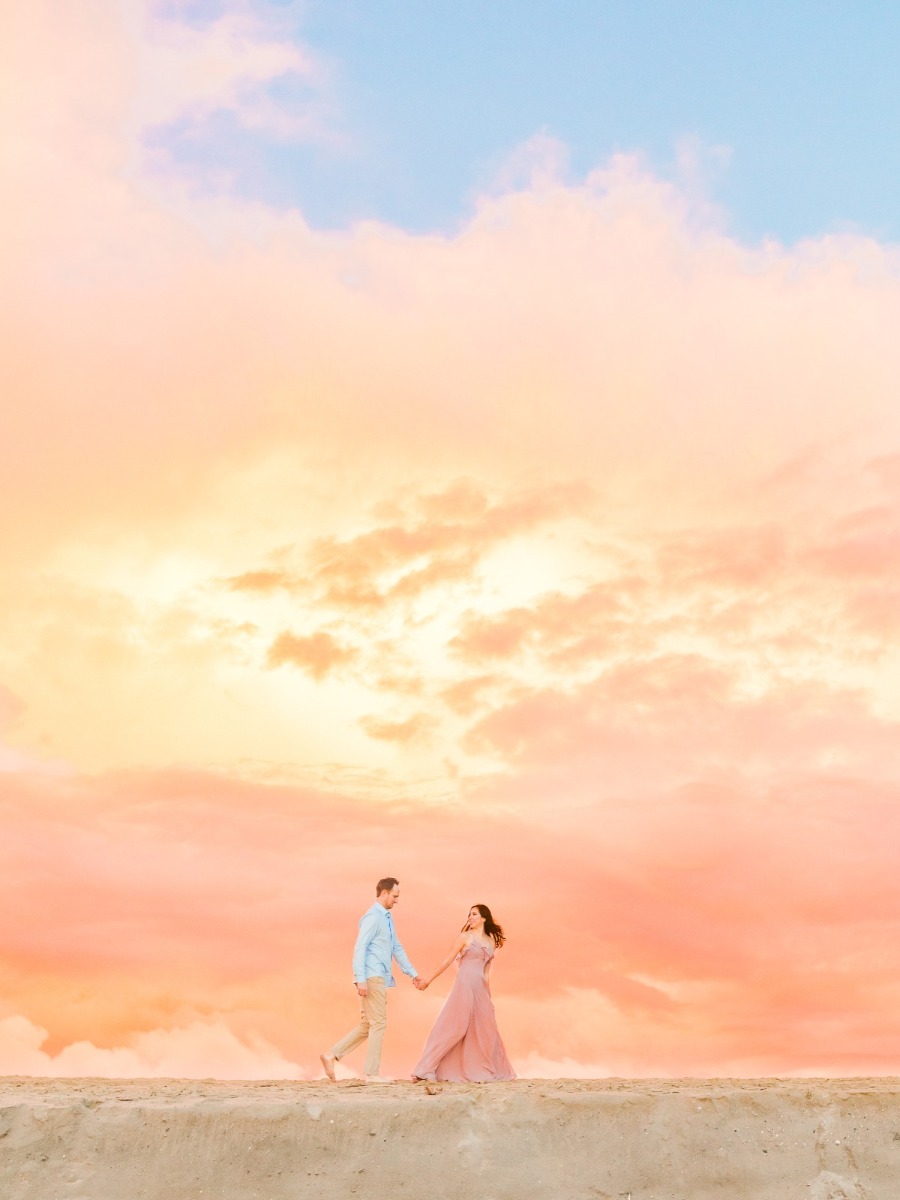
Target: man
(376, 945)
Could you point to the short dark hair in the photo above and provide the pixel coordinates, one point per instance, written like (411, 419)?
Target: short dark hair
(386, 885)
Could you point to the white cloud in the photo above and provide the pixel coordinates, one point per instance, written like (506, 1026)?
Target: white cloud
(188, 73)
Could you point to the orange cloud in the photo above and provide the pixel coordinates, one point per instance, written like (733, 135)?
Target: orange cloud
(415, 727)
(394, 562)
(318, 653)
(559, 624)
(260, 581)
(465, 696)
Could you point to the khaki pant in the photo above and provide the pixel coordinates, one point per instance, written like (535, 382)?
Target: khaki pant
(372, 1020)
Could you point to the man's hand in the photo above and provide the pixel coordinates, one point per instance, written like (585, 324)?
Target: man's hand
(362, 989)
(420, 984)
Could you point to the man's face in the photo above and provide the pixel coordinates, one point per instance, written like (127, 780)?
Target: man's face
(389, 899)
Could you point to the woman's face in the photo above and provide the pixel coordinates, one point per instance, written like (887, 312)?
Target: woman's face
(475, 918)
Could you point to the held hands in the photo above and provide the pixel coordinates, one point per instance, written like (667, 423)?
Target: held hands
(419, 984)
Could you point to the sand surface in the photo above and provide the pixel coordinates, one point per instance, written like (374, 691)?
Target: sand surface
(90, 1139)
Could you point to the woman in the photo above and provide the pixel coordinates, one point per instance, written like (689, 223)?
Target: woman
(464, 1045)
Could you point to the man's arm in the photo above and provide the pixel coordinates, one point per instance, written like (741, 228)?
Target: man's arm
(368, 927)
(403, 962)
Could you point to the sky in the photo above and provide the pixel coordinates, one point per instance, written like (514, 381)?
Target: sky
(458, 442)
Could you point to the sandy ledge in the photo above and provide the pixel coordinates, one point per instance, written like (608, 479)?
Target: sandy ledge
(93, 1139)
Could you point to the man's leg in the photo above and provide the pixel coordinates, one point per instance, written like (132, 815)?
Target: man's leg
(376, 1013)
(359, 1034)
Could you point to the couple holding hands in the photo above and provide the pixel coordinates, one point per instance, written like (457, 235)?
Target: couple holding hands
(464, 1045)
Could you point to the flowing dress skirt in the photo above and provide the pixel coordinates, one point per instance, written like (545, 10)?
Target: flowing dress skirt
(464, 1045)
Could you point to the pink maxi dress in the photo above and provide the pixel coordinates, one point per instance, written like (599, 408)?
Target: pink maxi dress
(464, 1045)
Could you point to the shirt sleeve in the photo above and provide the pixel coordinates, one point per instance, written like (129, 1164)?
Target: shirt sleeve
(400, 954)
(368, 927)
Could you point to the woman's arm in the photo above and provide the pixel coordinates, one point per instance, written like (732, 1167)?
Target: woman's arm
(487, 974)
(458, 946)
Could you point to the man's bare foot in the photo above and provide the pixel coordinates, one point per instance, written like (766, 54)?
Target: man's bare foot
(378, 1079)
(328, 1063)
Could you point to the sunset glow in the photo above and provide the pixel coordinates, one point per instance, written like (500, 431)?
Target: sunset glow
(549, 561)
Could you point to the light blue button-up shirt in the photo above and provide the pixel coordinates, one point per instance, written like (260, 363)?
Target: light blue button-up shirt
(376, 945)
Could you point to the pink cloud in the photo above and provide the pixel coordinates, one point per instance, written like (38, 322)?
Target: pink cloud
(724, 920)
(863, 544)
(201, 1051)
(654, 724)
(887, 468)
(11, 708)
(189, 72)
(734, 558)
(683, 713)
(875, 612)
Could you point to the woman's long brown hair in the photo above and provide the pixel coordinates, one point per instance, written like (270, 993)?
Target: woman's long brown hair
(491, 928)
